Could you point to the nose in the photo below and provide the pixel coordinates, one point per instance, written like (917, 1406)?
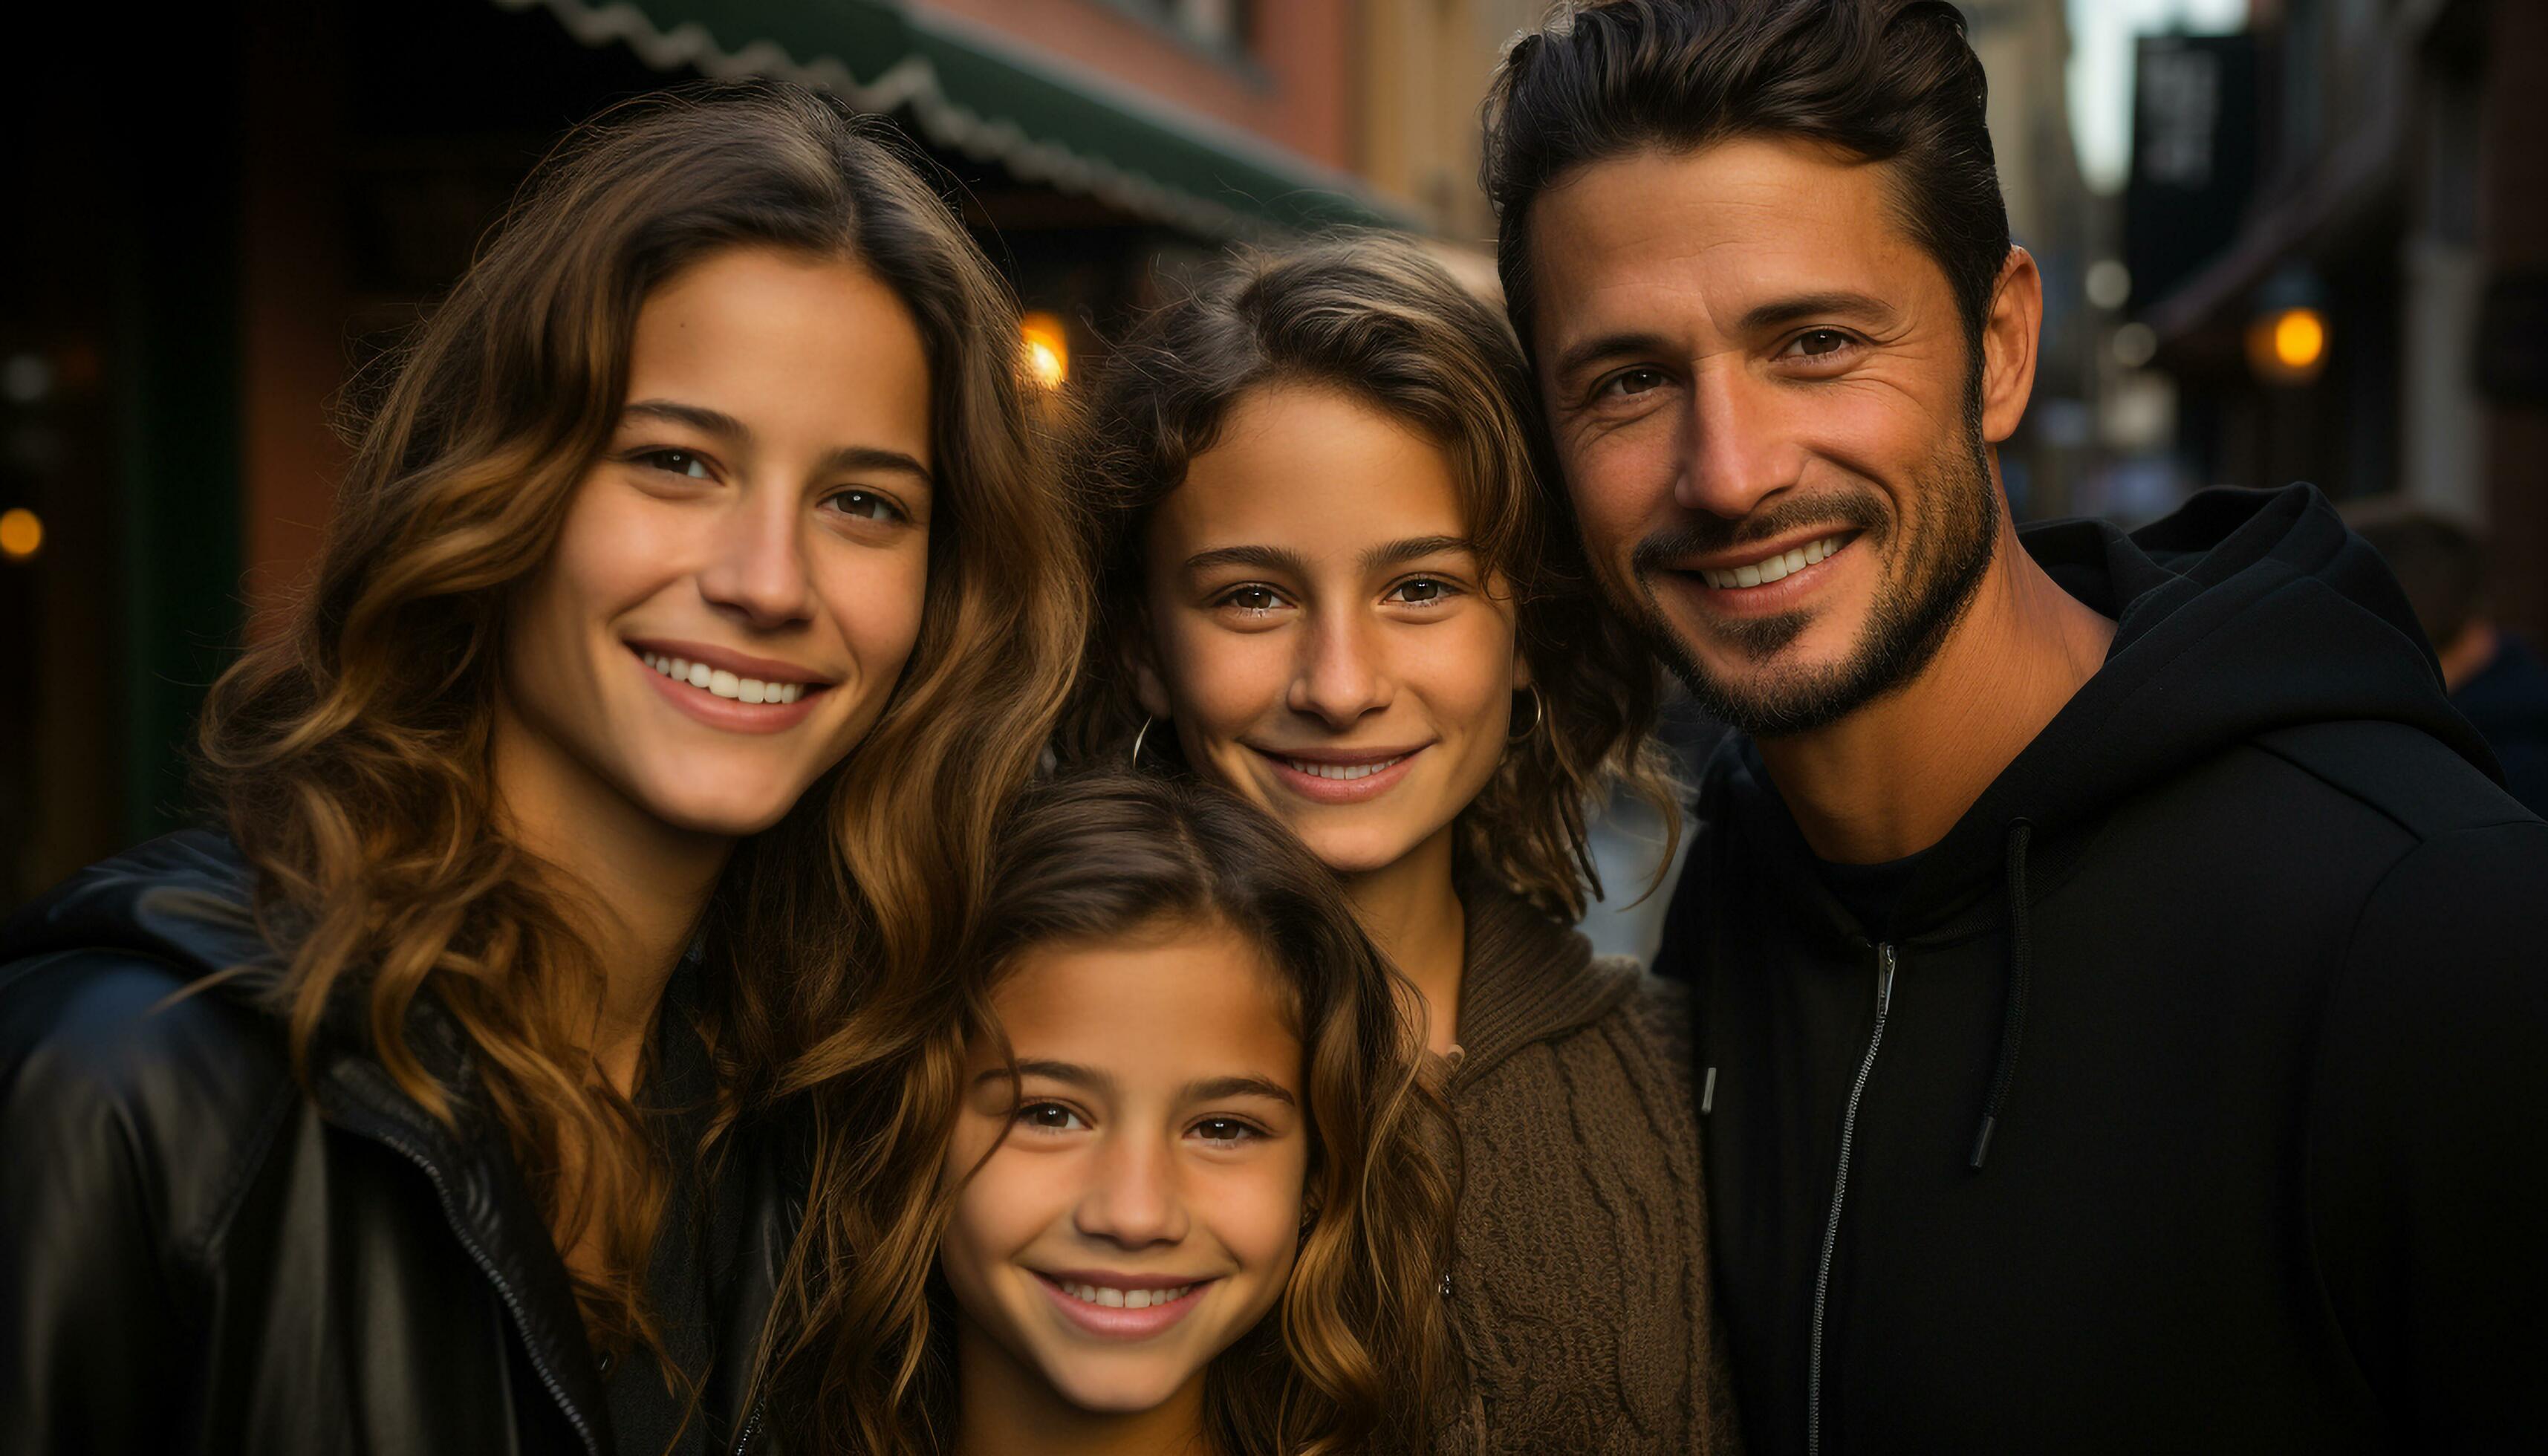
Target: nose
(1737, 449)
(1133, 1199)
(757, 568)
(1341, 674)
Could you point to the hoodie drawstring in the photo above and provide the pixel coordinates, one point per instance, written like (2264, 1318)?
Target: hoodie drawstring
(2012, 1026)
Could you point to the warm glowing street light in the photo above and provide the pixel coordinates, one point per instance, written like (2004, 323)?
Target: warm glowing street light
(2300, 337)
(2289, 345)
(1048, 349)
(22, 533)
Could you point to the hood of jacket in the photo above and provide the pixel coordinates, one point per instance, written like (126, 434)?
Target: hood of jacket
(182, 899)
(185, 900)
(2245, 612)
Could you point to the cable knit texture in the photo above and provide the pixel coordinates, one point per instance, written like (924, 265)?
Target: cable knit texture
(1580, 1289)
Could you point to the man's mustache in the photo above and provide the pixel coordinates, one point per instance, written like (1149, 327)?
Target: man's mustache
(1705, 534)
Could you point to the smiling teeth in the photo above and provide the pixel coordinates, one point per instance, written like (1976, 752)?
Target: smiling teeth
(1776, 568)
(1123, 1298)
(724, 685)
(1342, 770)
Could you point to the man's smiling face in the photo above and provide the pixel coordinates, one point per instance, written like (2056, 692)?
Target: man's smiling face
(1770, 419)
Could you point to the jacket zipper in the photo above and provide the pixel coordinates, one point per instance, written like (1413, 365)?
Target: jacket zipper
(1840, 1188)
(750, 1426)
(512, 1299)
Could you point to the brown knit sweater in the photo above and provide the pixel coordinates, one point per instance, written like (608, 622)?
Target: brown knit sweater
(1579, 1288)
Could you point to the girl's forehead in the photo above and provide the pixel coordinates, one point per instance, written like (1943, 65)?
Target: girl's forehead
(1173, 996)
(1298, 460)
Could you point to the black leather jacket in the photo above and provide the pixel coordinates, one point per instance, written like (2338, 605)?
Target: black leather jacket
(200, 1252)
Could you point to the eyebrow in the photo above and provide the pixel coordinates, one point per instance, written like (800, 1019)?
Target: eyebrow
(1267, 558)
(726, 427)
(1073, 1074)
(1578, 357)
(1806, 306)
(1415, 548)
(1069, 1072)
(1213, 1089)
(1283, 559)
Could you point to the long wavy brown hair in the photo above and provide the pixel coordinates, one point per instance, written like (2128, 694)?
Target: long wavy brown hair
(350, 754)
(1352, 1357)
(1370, 314)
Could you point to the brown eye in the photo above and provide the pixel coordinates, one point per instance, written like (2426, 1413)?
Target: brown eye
(1049, 1116)
(677, 462)
(1224, 1130)
(1253, 599)
(866, 506)
(1630, 383)
(1815, 342)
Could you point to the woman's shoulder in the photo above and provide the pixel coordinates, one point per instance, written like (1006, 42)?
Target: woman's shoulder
(111, 1050)
(1583, 1191)
(111, 1017)
(1628, 1037)
(1654, 1010)
(109, 1043)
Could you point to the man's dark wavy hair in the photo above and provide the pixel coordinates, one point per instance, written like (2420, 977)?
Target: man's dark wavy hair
(1881, 81)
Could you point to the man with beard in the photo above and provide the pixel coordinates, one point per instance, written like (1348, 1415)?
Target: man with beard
(2120, 982)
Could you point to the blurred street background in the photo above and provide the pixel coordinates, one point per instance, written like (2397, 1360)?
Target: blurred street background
(2281, 240)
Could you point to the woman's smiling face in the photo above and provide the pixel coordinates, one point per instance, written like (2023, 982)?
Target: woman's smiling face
(738, 581)
(1321, 634)
(1138, 1209)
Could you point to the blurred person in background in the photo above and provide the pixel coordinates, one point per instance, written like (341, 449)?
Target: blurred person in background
(1333, 577)
(643, 714)
(2493, 675)
(2118, 978)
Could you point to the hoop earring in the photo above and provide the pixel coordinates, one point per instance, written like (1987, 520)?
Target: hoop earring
(1137, 740)
(1538, 710)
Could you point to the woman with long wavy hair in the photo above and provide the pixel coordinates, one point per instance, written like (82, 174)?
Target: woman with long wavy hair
(696, 597)
(1158, 1168)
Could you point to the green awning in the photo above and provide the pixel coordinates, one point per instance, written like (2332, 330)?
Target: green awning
(967, 90)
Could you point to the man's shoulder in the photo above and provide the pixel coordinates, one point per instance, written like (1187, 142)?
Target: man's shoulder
(2400, 772)
(2445, 929)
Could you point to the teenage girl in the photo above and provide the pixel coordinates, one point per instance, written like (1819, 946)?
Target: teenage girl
(1158, 1171)
(1335, 579)
(689, 606)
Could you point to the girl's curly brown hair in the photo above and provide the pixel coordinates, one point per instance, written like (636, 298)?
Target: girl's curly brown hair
(1353, 1357)
(1370, 314)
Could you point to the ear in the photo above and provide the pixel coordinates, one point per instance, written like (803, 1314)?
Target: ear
(2009, 338)
(1141, 659)
(1522, 665)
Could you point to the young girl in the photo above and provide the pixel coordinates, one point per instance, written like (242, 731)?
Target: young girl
(1157, 1172)
(1334, 580)
(690, 608)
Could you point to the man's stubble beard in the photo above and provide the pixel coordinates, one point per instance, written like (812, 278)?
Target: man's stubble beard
(1948, 552)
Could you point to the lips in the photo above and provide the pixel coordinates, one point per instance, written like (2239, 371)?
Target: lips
(724, 683)
(1122, 1319)
(1341, 778)
(1766, 581)
(720, 703)
(1776, 566)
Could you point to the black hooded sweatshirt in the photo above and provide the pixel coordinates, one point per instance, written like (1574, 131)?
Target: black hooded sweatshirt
(2195, 1097)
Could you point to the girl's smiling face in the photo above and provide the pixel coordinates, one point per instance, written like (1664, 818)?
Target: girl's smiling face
(739, 578)
(1138, 1209)
(1322, 635)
